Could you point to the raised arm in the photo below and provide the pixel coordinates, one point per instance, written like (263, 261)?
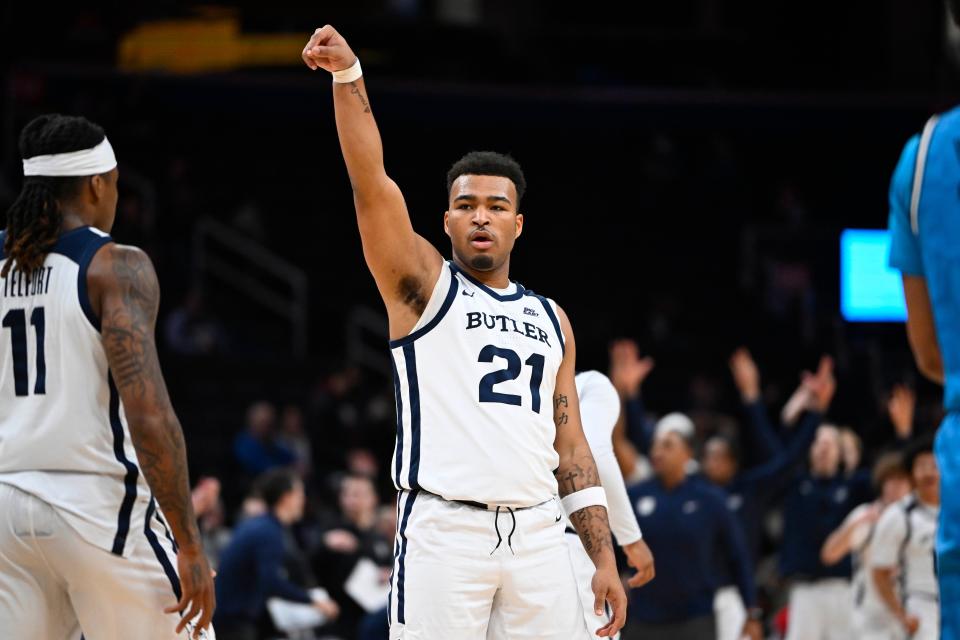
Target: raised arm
(850, 535)
(404, 265)
(124, 292)
(760, 437)
(577, 472)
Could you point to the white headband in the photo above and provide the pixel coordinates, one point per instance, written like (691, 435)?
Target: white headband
(86, 162)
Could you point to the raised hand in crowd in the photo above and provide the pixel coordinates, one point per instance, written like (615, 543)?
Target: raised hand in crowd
(627, 369)
(901, 406)
(745, 375)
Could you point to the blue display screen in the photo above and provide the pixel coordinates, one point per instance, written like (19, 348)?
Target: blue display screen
(870, 291)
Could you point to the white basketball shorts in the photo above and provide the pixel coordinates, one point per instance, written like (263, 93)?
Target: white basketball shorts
(471, 574)
(56, 586)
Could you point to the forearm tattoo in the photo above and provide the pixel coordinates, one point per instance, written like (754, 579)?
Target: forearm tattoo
(591, 522)
(355, 90)
(593, 527)
(560, 405)
(127, 329)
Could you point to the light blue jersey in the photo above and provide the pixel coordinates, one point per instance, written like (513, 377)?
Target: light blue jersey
(925, 242)
(926, 236)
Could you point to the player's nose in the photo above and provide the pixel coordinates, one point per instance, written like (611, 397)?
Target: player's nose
(481, 215)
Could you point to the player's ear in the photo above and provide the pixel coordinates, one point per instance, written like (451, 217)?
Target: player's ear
(97, 187)
(519, 226)
(446, 222)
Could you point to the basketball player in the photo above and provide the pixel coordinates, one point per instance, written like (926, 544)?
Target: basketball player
(488, 427)
(599, 410)
(89, 444)
(925, 248)
(902, 555)
(855, 536)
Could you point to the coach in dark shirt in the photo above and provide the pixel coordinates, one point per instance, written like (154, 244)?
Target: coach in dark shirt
(252, 565)
(685, 522)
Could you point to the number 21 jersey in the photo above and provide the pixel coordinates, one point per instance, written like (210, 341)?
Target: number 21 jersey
(474, 384)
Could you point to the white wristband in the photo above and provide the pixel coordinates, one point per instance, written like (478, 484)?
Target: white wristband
(348, 75)
(589, 497)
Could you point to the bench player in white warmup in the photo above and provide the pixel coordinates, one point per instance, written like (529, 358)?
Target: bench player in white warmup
(86, 426)
(488, 423)
(599, 411)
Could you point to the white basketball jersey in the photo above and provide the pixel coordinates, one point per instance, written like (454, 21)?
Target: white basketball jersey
(63, 434)
(866, 600)
(474, 386)
(904, 538)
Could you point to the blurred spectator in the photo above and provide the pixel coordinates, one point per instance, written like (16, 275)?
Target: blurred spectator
(685, 523)
(851, 447)
(855, 535)
(749, 490)
(190, 330)
(210, 513)
(256, 447)
(293, 437)
(816, 504)
(631, 435)
(252, 566)
(902, 553)
(354, 536)
(362, 462)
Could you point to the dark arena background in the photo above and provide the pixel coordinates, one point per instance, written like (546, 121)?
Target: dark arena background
(691, 166)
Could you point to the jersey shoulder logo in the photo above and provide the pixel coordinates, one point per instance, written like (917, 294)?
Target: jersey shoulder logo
(530, 312)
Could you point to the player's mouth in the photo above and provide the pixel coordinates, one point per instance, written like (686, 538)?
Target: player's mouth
(481, 240)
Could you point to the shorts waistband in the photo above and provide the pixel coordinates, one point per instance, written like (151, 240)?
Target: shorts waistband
(485, 506)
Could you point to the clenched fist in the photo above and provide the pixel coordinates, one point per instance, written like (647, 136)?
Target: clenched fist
(328, 50)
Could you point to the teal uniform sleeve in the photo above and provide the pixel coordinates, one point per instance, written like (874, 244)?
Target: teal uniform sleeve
(904, 245)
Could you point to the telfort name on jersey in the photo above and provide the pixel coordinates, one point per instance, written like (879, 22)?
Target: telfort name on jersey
(477, 319)
(18, 284)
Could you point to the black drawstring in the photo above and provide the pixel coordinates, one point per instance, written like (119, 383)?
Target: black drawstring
(496, 527)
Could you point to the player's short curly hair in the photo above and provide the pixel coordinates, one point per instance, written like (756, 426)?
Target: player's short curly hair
(488, 163)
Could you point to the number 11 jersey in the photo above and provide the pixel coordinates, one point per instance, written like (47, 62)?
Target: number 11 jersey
(63, 434)
(474, 384)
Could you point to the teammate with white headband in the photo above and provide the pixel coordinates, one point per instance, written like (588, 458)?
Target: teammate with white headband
(85, 162)
(93, 471)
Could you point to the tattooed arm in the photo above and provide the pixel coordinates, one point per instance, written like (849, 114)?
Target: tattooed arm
(577, 470)
(404, 265)
(124, 293)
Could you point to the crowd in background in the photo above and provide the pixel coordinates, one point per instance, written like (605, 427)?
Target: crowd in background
(783, 480)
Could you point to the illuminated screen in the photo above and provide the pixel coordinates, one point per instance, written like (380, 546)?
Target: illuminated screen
(870, 291)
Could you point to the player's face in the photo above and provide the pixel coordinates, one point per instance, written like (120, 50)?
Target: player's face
(718, 463)
(926, 476)
(669, 454)
(482, 220)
